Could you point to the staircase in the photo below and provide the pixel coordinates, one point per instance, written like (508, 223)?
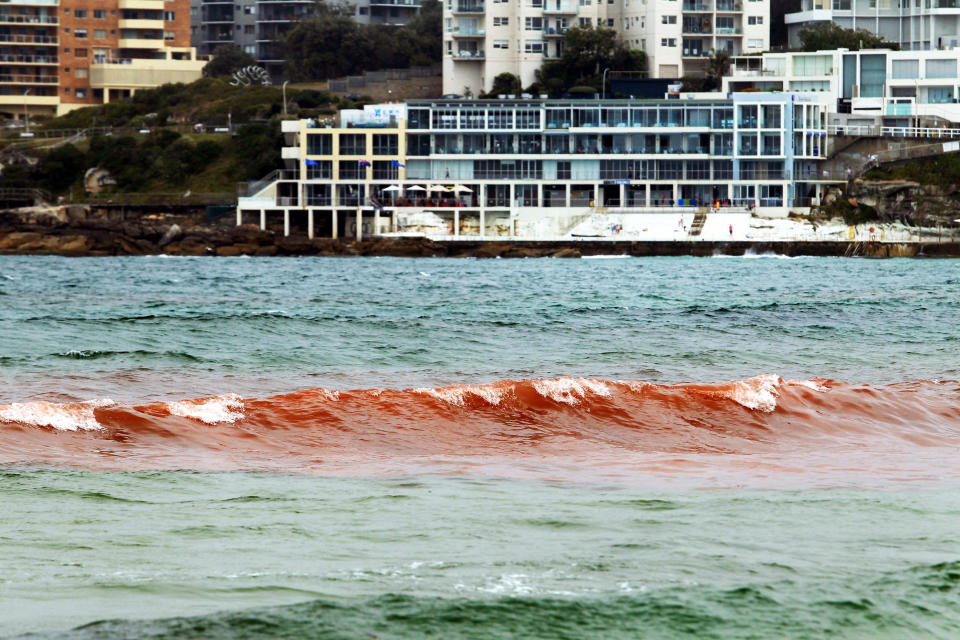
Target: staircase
(698, 221)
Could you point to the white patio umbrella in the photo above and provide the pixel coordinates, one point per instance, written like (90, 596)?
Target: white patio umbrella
(436, 188)
(416, 187)
(459, 188)
(392, 187)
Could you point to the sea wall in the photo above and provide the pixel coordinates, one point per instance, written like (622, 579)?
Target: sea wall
(132, 239)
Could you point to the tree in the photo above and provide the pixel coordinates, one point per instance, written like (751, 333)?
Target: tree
(61, 167)
(821, 36)
(717, 68)
(587, 52)
(504, 83)
(227, 58)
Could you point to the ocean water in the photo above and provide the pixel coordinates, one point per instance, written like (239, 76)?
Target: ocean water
(405, 448)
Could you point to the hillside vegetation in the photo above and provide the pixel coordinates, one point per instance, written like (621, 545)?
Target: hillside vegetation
(170, 157)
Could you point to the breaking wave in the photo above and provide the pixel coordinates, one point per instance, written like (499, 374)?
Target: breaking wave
(634, 426)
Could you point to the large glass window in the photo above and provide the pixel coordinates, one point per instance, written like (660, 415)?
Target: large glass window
(319, 144)
(942, 68)
(812, 65)
(500, 119)
(353, 144)
(320, 170)
(528, 119)
(384, 144)
(906, 69)
(418, 119)
(351, 170)
(384, 170)
(444, 119)
(472, 119)
(873, 74)
(418, 144)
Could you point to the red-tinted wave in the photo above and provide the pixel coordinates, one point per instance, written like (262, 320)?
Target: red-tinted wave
(555, 426)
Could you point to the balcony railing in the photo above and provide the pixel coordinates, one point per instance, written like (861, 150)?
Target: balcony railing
(729, 31)
(9, 37)
(729, 6)
(559, 7)
(467, 32)
(696, 6)
(5, 57)
(8, 18)
(26, 79)
(469, 55)
(470, 7)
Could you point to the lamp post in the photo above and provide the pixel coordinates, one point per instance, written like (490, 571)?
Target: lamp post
(26, 116)
(284, 88)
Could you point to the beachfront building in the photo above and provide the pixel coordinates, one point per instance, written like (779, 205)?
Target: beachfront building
(484, 38)
(869, 87)
(57, 55)
(258, 26)
(538, 168)
(913, 24)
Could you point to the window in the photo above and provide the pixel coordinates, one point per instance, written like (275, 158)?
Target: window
(100, 34)
(812, 65)
(385, 144)
(81, 93)
(169, 35)
(942, 68)
(353, 144)
(906, 69)
(169, 16)
(100, 14)
(501, 44)
(668, 19)
(80, 53)
(80, 13)
(533, 46)
(351, 170)
(583, 22)
(533, 24)
(67, 50)
(319, 144)
(81, 73)
(250, 48)
(80, 33)
(250, 10)
(528, 119)
(755, 44)
(610, 23)
(323, 170)
(563, 170)
(501, 22)
(248, 29)
(67, 90)
(385, 170)
(668, 42)
(755, 20)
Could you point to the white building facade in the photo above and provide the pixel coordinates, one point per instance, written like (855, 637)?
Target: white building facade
(913, 24)
(869, 87)
(484, 38)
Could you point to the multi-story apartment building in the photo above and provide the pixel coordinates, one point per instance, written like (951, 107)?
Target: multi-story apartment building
(913, 24)
(62, 54)
(874, 86)
(537, 166)
(257, 26)
(484, 38)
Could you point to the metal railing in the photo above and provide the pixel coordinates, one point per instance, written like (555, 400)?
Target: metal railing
(6, 17)
(187, 198)
(893, 132)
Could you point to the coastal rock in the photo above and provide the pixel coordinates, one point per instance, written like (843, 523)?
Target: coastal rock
(173, 232)
(566, 253)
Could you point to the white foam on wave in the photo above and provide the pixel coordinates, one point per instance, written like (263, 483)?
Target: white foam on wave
(457, 395)
(758, 393)
(225, 408)
(809, 384)
(607, 257)
(69, 416)
(569, 390)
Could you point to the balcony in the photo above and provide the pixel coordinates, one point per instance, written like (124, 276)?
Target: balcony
(4, 57)
(696, 6)
(468, 32)
(559, 8)
(153, 5)
(139, 73)
(28, 79)
(6, 18)
(156, 24)
(470, 7)
(140, 43)
(729, 31)
(396, 3)
(21, 39)
(555, 32)
(695, 53)
(729, 7)
(468, 55)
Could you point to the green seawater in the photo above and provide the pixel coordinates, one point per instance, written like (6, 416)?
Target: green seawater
(188, 555)
(441, 554)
